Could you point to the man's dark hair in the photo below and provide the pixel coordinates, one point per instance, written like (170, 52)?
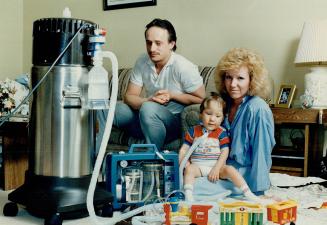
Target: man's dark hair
(164, 24)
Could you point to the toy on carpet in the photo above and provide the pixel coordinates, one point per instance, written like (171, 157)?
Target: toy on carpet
(282, 212)
(241, 213)
(176, 213)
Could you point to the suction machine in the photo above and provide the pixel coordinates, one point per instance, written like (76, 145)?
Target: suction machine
(141, 175)
(61, 129)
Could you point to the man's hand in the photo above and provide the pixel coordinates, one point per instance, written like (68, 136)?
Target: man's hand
(161, 97)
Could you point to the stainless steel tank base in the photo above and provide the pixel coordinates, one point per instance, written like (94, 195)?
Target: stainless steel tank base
(48, 197)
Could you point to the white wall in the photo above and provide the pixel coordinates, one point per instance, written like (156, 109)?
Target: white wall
(11, 38)
(206, 29)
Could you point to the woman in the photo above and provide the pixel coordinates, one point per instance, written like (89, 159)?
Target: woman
(242, 79)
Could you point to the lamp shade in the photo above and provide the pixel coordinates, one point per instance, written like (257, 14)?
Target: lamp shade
(312, 51)
(313, 43)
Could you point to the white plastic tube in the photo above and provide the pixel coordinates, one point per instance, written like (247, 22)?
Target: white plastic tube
(131, 186)
(157, 183)
(105, 139)
(114, 220)
(187, 156)
(141, 186)
(145, 220)
(150, 189)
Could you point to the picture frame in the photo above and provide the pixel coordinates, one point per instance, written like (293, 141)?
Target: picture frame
(285, 95)
(121, 4)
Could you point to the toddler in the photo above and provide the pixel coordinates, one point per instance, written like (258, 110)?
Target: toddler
(209, 158)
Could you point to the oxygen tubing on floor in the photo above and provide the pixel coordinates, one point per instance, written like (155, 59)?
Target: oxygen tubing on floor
(145, 220)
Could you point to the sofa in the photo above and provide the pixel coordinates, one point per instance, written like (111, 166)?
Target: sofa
(120, 141)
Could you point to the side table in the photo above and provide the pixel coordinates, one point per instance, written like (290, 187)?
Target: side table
(15, 153)
(311, 121)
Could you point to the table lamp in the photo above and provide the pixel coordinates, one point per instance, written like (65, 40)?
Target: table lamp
(312, 52)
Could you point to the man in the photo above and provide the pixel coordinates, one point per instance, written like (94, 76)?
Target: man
(170, 81)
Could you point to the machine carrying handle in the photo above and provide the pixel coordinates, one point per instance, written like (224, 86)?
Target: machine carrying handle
(152, 148)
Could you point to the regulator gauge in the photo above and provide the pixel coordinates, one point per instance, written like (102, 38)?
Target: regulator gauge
(123, 163)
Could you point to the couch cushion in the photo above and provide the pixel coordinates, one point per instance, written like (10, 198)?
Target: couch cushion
(123, 79)
(190, 117)
(208, 75)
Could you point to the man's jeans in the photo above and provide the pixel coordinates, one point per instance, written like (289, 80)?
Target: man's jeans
(152, 122)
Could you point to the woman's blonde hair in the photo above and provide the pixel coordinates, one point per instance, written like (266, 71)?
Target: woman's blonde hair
(236, 58)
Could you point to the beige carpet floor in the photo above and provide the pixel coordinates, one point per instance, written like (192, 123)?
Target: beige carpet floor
(24, 218)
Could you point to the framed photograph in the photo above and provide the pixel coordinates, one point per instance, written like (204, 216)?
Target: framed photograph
(121, 4)
(285, 95)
